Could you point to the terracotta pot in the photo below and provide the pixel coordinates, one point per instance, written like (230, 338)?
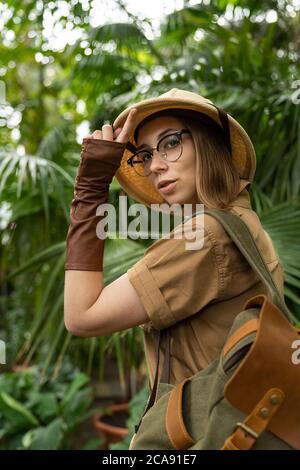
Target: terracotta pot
(111, 433)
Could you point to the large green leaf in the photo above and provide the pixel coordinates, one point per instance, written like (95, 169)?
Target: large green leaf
(46, 437)
(17, 416)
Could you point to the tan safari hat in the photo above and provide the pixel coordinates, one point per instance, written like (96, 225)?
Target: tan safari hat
(236, 138)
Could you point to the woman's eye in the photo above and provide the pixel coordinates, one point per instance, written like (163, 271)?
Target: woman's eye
(171, 142)
(146, 157)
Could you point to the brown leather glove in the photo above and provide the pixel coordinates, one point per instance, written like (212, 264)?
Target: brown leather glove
(99, 160)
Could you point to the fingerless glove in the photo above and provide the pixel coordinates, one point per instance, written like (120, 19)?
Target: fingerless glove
(99, 160)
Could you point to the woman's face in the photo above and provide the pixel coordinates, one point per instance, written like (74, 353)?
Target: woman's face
(181, 170)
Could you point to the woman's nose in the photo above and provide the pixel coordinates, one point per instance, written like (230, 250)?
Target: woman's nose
(157, 162)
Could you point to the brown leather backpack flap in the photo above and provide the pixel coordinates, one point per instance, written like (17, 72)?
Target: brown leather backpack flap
(269, 364)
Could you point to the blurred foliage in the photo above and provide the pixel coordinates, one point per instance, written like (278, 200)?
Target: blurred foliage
(42, 414)
(242, 54)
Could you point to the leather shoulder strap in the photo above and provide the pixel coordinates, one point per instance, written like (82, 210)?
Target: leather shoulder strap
(239, 232)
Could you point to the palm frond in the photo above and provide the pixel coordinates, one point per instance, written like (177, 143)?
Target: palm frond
(56, 142)
(282, 222)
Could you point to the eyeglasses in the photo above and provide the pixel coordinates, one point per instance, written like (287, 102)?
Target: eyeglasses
(169, 148)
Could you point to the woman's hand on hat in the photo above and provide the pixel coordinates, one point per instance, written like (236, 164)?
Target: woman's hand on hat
(121, 134)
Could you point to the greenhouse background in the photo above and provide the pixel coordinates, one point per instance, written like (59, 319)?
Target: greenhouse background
(66, 68)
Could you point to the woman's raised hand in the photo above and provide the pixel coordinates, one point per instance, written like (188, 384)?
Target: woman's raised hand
(121, 134)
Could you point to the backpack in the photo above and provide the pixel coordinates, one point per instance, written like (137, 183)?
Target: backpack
(248, 398)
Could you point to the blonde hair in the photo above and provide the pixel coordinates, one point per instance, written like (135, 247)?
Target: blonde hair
(217, 179)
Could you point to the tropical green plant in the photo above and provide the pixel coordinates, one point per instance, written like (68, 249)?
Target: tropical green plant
(42, 414)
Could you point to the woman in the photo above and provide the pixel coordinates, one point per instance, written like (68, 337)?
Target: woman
(187, 139)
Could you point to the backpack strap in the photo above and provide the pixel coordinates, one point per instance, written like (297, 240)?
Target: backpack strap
(247, 432)
(239, 232)
(174, 421)
(165, 376)
(249, 327)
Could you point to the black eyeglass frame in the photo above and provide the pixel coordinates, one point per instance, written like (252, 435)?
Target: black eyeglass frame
(150, 149)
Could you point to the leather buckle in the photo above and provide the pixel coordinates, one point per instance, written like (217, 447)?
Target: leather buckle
(247, 429)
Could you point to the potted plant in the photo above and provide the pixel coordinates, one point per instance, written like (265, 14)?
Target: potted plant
(42, 414)
(116, 423)
(111, 423)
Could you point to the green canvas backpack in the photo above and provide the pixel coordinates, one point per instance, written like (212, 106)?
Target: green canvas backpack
(249, 398)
